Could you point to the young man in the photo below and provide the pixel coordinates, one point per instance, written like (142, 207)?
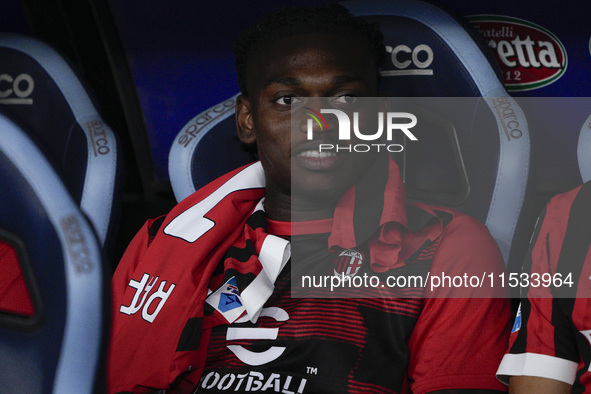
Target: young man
(550, 346)
(202, 298)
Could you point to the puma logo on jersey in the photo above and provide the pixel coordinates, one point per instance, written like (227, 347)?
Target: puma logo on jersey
(140, 300)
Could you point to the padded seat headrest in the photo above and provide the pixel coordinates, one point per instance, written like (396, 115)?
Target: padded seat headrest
(584, 150)
(430, 52)
(42, 94)
(58, 348)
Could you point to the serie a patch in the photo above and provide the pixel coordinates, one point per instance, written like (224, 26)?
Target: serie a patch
(517, 324)
(227, 301)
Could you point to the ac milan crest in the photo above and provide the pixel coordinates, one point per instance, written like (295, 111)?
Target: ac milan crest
(348, 262)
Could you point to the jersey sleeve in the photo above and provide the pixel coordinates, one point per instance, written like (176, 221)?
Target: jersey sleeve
(542, 343)
(459, 342)
(131, 258)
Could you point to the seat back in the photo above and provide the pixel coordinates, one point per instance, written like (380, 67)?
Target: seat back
(206, 148)
(468, 157)
(44, 96)
(469, 140)
(56, 344)
(584, 150)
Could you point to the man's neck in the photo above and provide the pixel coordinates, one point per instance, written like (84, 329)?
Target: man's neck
(282, 207)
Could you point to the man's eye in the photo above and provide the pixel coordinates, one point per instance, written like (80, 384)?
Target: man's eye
(287, 100)
(345, 99)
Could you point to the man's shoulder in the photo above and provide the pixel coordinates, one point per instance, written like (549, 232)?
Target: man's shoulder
(464, 240)
(562, 208)
(454, 222)
(562, 202)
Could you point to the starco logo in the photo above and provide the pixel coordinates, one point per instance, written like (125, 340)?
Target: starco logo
(409, 61)
(530, 56)
(16, 89)
(345, 126)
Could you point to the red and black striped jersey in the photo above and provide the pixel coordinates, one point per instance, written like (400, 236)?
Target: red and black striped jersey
(212, 267)
(376, 344)
(551, 337)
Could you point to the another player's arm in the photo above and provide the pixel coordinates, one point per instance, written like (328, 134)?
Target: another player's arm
(538, 385)
(436, 365)
(466, 391)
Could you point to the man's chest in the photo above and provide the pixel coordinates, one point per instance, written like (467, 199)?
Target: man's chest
(305, 345)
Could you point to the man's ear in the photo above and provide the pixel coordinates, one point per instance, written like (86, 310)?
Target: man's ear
(383, 104)
(244, 121)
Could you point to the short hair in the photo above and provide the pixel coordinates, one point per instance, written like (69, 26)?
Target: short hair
(333, 19)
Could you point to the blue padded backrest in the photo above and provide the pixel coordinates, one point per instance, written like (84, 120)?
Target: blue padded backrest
(431, 55)
(206, 148)
(42, 94)
(435, 55)
(584, 150)
(58, 349)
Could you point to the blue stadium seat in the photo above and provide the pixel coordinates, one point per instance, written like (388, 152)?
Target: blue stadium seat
(206, 148)
(434, 54)
(59, 347)
(477, 167)
(43, 95)
(584, 150)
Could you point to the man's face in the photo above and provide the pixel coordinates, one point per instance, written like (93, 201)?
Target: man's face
(280, 75)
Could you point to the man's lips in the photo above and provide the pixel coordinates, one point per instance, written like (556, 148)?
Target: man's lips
(313, 145)
(318, 161)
